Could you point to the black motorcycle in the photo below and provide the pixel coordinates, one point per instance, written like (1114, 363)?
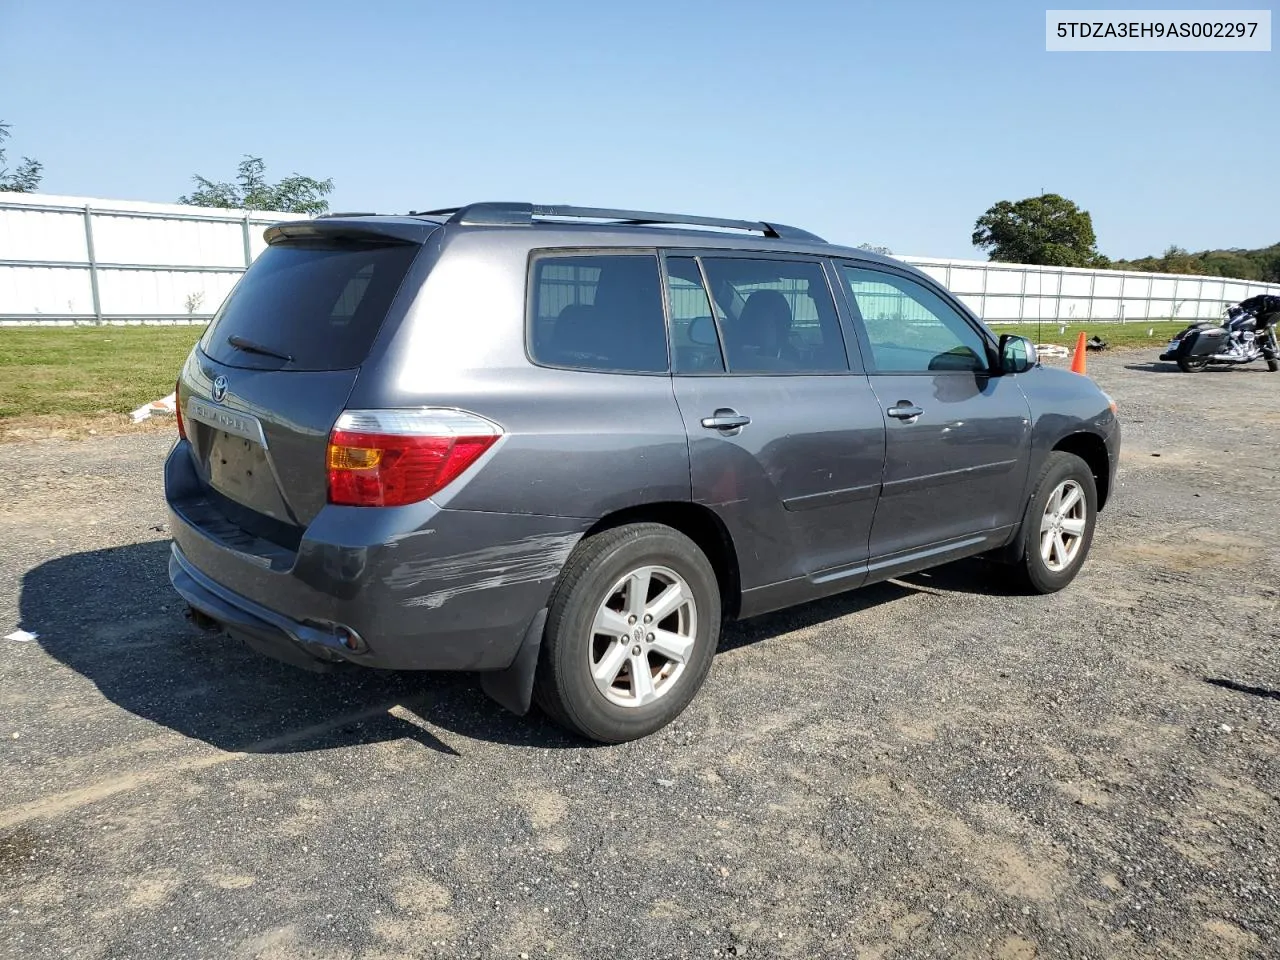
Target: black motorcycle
(1248, 333)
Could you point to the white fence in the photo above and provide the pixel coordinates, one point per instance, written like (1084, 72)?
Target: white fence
(77, 260)
(1015, 292)
(70, 260)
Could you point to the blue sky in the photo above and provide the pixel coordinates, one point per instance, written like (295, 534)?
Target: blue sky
(896, 123)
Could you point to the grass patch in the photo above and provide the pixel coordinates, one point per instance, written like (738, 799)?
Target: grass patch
(61, 371)
(88, 370)
(1131, 334)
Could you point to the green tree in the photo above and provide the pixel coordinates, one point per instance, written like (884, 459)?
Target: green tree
(1230, 263)
(1237, 263)
(1269, 264)
(1177, 260)
(251, 191)
(26, 178)
(1048, 229)
(873, 248)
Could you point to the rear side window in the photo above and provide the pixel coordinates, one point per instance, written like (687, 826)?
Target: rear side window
(601, 312)
(693, 331)
(321, 303)
(776, 316)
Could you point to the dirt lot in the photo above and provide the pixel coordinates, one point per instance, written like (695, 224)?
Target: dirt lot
(928, 768)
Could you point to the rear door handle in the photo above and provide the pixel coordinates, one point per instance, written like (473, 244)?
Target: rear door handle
(904, 410)
(725, 419)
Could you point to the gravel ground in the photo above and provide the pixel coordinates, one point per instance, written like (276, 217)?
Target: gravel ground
(926, 768)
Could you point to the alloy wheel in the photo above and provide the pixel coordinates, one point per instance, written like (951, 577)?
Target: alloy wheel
(642, 636)
(1062, 526)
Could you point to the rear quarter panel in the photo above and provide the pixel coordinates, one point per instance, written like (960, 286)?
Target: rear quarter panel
(577, 443)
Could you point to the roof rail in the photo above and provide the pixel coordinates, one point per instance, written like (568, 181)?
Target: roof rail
(523, 214)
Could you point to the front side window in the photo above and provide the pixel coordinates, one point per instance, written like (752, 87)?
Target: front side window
(599, 312)
(911, 329)
(776, 316)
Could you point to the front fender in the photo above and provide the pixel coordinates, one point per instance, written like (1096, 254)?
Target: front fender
(1069, 411)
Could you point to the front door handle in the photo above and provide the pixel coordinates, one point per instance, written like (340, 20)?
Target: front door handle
(905, 410)
(725, 419)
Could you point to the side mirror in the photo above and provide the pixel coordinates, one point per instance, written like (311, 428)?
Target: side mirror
(702, 331)
(1017, 354)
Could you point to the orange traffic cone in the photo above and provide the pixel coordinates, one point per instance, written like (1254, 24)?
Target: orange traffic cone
(1077, 361)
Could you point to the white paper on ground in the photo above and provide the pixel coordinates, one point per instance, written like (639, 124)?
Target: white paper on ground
(165, 406)
(1052, 350)
(22, 636)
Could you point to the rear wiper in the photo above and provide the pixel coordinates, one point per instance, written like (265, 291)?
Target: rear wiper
(240, 343)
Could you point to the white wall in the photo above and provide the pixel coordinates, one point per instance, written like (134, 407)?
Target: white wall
(149, 259)
(1000, 292)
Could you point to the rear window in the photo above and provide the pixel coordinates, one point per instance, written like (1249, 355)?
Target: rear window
(320, 303)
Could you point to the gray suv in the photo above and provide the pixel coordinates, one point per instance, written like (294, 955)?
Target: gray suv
(560, 446)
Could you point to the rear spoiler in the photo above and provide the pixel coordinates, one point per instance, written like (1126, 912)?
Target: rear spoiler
(366, 230)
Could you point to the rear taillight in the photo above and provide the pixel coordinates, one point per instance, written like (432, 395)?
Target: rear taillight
(177, 409)
(387, 458)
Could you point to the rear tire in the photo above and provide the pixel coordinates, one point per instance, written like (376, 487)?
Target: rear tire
(597, 632)
(1273, 365)
(1192, 364)
(1057, 528)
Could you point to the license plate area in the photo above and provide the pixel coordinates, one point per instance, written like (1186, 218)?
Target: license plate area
(233, 449)
(238, 468)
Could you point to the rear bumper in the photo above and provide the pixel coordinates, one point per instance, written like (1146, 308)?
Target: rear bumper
(264, 629)
(422, 588)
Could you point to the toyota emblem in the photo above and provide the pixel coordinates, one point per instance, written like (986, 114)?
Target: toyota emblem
(219, 389)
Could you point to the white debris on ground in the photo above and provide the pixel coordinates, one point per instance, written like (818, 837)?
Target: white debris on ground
(1052, 350)
(22, 636)
(164, 406)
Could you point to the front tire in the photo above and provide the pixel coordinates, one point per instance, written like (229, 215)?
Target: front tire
(1057, 528)
(631, 632)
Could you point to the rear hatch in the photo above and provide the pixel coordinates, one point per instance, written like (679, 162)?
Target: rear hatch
(275, 367)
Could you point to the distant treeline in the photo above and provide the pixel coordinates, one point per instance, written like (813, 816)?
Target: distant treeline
(1263, 264)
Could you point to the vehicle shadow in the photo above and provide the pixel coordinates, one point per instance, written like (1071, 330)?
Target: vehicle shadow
(971, 576)
(111, 616)
(1243, 688)
(1258, 366)
(974, 575)
(743, 633)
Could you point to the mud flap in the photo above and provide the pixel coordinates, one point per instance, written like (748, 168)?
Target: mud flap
(513, 687)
